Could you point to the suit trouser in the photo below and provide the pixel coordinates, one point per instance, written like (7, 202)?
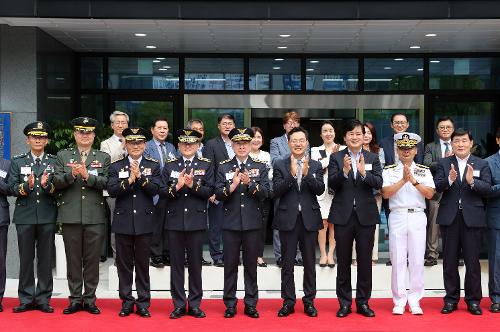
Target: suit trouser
(215, 219)
(344, 236)
(378, 199)
(265, 207)
(41, 237)
(494, 265)
(276, 237)
(459, 237)
(4, 229)
(133, 251)
(233, 241)
(159, 241)
(190, 242)
(307, 242)
(432, 230)
(104, 252)
(407, 245)
(83, 246)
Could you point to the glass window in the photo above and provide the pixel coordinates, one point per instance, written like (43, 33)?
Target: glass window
(214, 74)
(332, 74)
(91, 106)
(466, 74)
(381, 119)
(91, 73)
(396, 74)
(274, 74)
(209, 117)
(143, 73)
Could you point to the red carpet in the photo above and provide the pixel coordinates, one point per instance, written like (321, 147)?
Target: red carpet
(109, 321)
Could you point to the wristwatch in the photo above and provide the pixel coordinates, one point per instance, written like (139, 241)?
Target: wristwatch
(416, 183)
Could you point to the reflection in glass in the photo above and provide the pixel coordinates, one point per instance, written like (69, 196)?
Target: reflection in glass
(91, 73)
(214, 74)
(209, 118)
(143, 73)
(397, 74)
(464, 73)
(91, 106)
(274, 74)
(381, 119)
(332, 74)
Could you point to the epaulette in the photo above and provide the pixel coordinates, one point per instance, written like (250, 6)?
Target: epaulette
(168, 160)
(119, 159)
(389, 166)
(422, 166)
(225, 161)
(204, 159)
(21, 155)
(258, 161)
(151, 159)
(51, 155)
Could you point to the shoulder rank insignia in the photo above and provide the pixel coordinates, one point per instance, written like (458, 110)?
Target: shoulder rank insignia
(225, 161)
(151, 159)
(204, 159)
(51, 155)
(389, 166)
(168, 160)
(21, 155)
(258, 160)
(122, 158)
(422, 166)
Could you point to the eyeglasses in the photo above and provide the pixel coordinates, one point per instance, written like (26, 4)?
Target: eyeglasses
(445, 127)
(120, 122)
(399, 123)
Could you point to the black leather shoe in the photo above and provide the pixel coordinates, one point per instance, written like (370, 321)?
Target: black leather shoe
(23, 308)
(263, 264)
(364, 309)
(299, 262)
(310, 310)
(218, 262)
(72, 308)
(126, 311)
(279, 262)
(103, 259)
(230, 312)
(178, 313)
(474, 309)
(388, 263)
(143, 312)
(448, 308)
(344, 311)
(166, 260)
(196, 313)
(286, 310)
(494, 308)
(91, 309)
(156, 262)
(430, 262)
(46, 308)
(205, 263)
(251, 311)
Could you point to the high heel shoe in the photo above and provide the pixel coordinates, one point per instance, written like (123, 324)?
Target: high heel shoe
(322, 261)
(331, 263)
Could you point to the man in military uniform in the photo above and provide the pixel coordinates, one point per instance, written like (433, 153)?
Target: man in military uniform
(134, 181)
(81, 175)
(407, 185)
(4, 222)
(35, 217)
(187, 184)
(241, 183)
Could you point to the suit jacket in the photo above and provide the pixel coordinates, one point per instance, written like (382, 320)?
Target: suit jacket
(285, 188)
(4, 192)
(493, 207)
(187, 208)
(347, 190)
(242, 209)
(134, 209)
(152, 152)
(279, 148)
(431, 156)
(79, 201)
(36, 206)
(114, 148)
(474, 210)
(387, 143)
(216, 151)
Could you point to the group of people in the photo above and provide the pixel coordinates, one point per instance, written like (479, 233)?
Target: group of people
(160, 196)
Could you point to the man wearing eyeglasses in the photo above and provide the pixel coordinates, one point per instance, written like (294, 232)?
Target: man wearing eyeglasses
(435, 151)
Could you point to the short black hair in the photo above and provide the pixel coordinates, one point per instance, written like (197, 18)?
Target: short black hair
(158, 119)
(498, 132)
(444, 118)
(461, 132)
(351, 124)
(396, 114)
(297, 130)
(225, 116)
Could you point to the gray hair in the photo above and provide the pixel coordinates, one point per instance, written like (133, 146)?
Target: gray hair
(189, 124)
(116, 113)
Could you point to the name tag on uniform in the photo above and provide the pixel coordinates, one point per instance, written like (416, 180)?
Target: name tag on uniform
(229, 176)
(199, 172)
(146, 171)
(368, 167)
(174, 174)
(93, 172)
(476, 173)
(49, 168)
(96, 164)
(254, 172)
(3, 174)
(123, 175)
(25, 170)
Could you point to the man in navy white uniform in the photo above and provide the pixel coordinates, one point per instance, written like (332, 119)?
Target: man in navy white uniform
(407, 185)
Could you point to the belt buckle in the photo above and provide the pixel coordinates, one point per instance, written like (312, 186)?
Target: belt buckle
(411, 210)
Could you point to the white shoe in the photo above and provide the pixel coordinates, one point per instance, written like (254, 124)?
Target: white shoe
(416, 311)
(397, 310)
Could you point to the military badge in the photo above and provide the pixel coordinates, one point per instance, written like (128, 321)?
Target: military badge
(96, 164)
(199, 172)
(146, 171)
(254, 172)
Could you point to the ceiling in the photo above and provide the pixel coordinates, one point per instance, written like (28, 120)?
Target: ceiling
(252, 36)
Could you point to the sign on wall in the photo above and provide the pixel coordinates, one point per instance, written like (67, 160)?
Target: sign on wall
(5, 124)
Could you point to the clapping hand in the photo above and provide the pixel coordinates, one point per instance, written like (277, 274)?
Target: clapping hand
(44, 179)
(245, 177)
(361, 165)
(236, 177)
(188, 178)
(31, 180)
(469, 176)
(347, 164)
(453, 173)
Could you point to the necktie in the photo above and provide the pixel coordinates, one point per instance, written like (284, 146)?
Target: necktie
(187, 165)
(83, 156)
(37, 165)
(446, 149)
(163, 153)
(242, 168)
(299, 172)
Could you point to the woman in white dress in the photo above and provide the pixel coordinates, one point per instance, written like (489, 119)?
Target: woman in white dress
(257, 153)
(322, 154)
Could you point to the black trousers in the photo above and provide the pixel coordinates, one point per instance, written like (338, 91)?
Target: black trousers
(4, 229)
(265, 208)
(41, 238)
(82, 244)
(159, 241)
(215, 219)
(190, 242)
(233, 241)
(133, 251)
(344, 236)
(307, 244)
(458, 237)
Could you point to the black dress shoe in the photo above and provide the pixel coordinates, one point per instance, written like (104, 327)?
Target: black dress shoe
(448, 308)
(331, 266)
(344, 311)
(286, 310)
(364, 309)
(494, 308)
(156, 262)
(178, 313)
(103, 259)
(299, 262)
(310, 310)
(143, 312)
(205, 263)
(166, 260)
(91, 309)
(218, 262)
(72, 308)
(474, 309)
(126, 311)
(46, 308)
(388, 263)
(263, 264)
(279, 262)
(23, 308)
(230, 312)
(430, 262)
(251, 311)
(196, 313)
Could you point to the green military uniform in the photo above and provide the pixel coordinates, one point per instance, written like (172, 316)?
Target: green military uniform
(82, 213)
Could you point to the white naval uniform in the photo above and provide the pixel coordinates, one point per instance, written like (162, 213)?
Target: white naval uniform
(407, 233)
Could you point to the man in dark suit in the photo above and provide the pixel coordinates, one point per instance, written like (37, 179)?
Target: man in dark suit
(30, 180)
(134, 181)
(187, 183)
(297, 181)
(218, 149)
(353, 174)
(493, 214)
(4, 222)
(434, 151)
(241, 183)
(464, 180)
